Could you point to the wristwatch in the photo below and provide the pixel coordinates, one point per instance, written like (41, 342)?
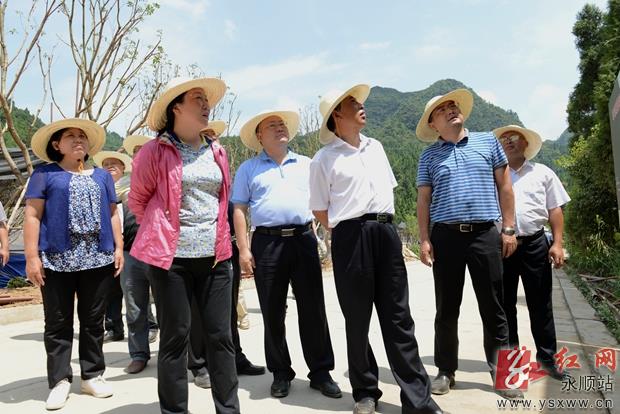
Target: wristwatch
(508, 231)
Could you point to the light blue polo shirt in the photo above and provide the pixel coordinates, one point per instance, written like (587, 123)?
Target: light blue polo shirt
(462, 178)
(277, 194)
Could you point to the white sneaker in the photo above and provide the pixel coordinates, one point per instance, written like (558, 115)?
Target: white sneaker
(97, 387)
(58, 395)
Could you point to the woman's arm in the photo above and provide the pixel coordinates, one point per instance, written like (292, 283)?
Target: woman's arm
(32, 223)
(117, 232)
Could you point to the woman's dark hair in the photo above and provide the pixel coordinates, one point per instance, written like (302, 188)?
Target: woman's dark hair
(331, 124)
(170, 114)
(52, 153)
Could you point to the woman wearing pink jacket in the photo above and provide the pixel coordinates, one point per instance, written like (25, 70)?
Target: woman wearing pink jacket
(179, 195)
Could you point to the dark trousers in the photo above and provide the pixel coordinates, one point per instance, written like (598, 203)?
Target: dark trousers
(295, 260)
(369, 269)
(481, 252)
(531, 262)
(211, 286)
(197, 356)
(114, 307)
(136, 287)
(91, 287)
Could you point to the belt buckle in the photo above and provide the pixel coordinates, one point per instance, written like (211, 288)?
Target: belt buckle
(383, 217)
(466, 227)
(287, 232)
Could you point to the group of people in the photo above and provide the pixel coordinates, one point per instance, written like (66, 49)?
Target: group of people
(182, 229)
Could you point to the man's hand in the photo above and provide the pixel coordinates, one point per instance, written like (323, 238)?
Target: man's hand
(556, 255)
(246, 263)
(426, 253)
(509, 245)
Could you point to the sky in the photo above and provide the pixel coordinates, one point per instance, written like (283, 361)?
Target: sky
(519, 55)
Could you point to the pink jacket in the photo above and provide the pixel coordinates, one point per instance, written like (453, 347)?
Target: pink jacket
(155, 199)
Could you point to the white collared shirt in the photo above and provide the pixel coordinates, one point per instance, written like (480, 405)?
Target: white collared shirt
(349, 182)
(537, 190)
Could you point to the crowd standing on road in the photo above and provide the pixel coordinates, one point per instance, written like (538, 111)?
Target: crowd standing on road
(166, 218)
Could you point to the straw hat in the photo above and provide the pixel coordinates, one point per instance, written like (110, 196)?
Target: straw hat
(217, 126)
(132, 141)
(248, 130)
(534, 142)
(462, 97)
(104, 155)
(214, 89)
(94, 132)
(330, 101)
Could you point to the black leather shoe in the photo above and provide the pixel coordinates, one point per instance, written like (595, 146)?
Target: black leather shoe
(280, 388)
(250, 369)
(442, 383)
(431, 408)
(328, 388)
(111, 336)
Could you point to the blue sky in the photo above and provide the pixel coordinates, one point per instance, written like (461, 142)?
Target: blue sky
(519, 55)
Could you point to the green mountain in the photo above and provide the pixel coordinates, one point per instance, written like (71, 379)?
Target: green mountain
(22, 118)
(392, 118)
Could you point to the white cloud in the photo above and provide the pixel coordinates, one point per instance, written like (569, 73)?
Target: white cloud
(230, 29)
(488, 96)
(374, 45)
(545, 110)
(193, 8)
(257, 79)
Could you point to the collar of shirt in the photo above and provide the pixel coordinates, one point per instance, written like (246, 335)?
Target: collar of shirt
(525, 167)
(344, 145)
(177, 141)
(290, 157)
(463, 141)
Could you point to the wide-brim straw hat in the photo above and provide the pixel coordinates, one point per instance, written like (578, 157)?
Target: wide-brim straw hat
(534, 142)
(463, 99)
(248, 130)
(104, 155)
(132, 141)
(217, 126)
(94, 132)
(330, 101)
(214, 90)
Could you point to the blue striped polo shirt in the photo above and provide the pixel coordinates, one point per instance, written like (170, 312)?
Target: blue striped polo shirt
(462, 179)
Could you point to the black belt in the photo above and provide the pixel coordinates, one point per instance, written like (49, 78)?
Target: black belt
(284, 231)
(532, 237)
(379, 217)
(468, 227)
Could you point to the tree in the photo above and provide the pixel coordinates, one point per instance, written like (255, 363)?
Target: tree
(108, 56)
(18, 63)
(593, 210)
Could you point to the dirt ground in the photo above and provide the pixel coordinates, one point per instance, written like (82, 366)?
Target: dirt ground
(31, 291)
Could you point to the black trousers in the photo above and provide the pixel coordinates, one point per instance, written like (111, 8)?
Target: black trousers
(481, 252)
(197, 356)
(295, 260)
(91, 287)
(114, 307)
(531, 262)
(369, 269)
(174, 289)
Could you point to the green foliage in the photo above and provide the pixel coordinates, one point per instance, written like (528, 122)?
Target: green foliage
(17, 282)
(22, 118)
(590, 161)
(113, 141)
